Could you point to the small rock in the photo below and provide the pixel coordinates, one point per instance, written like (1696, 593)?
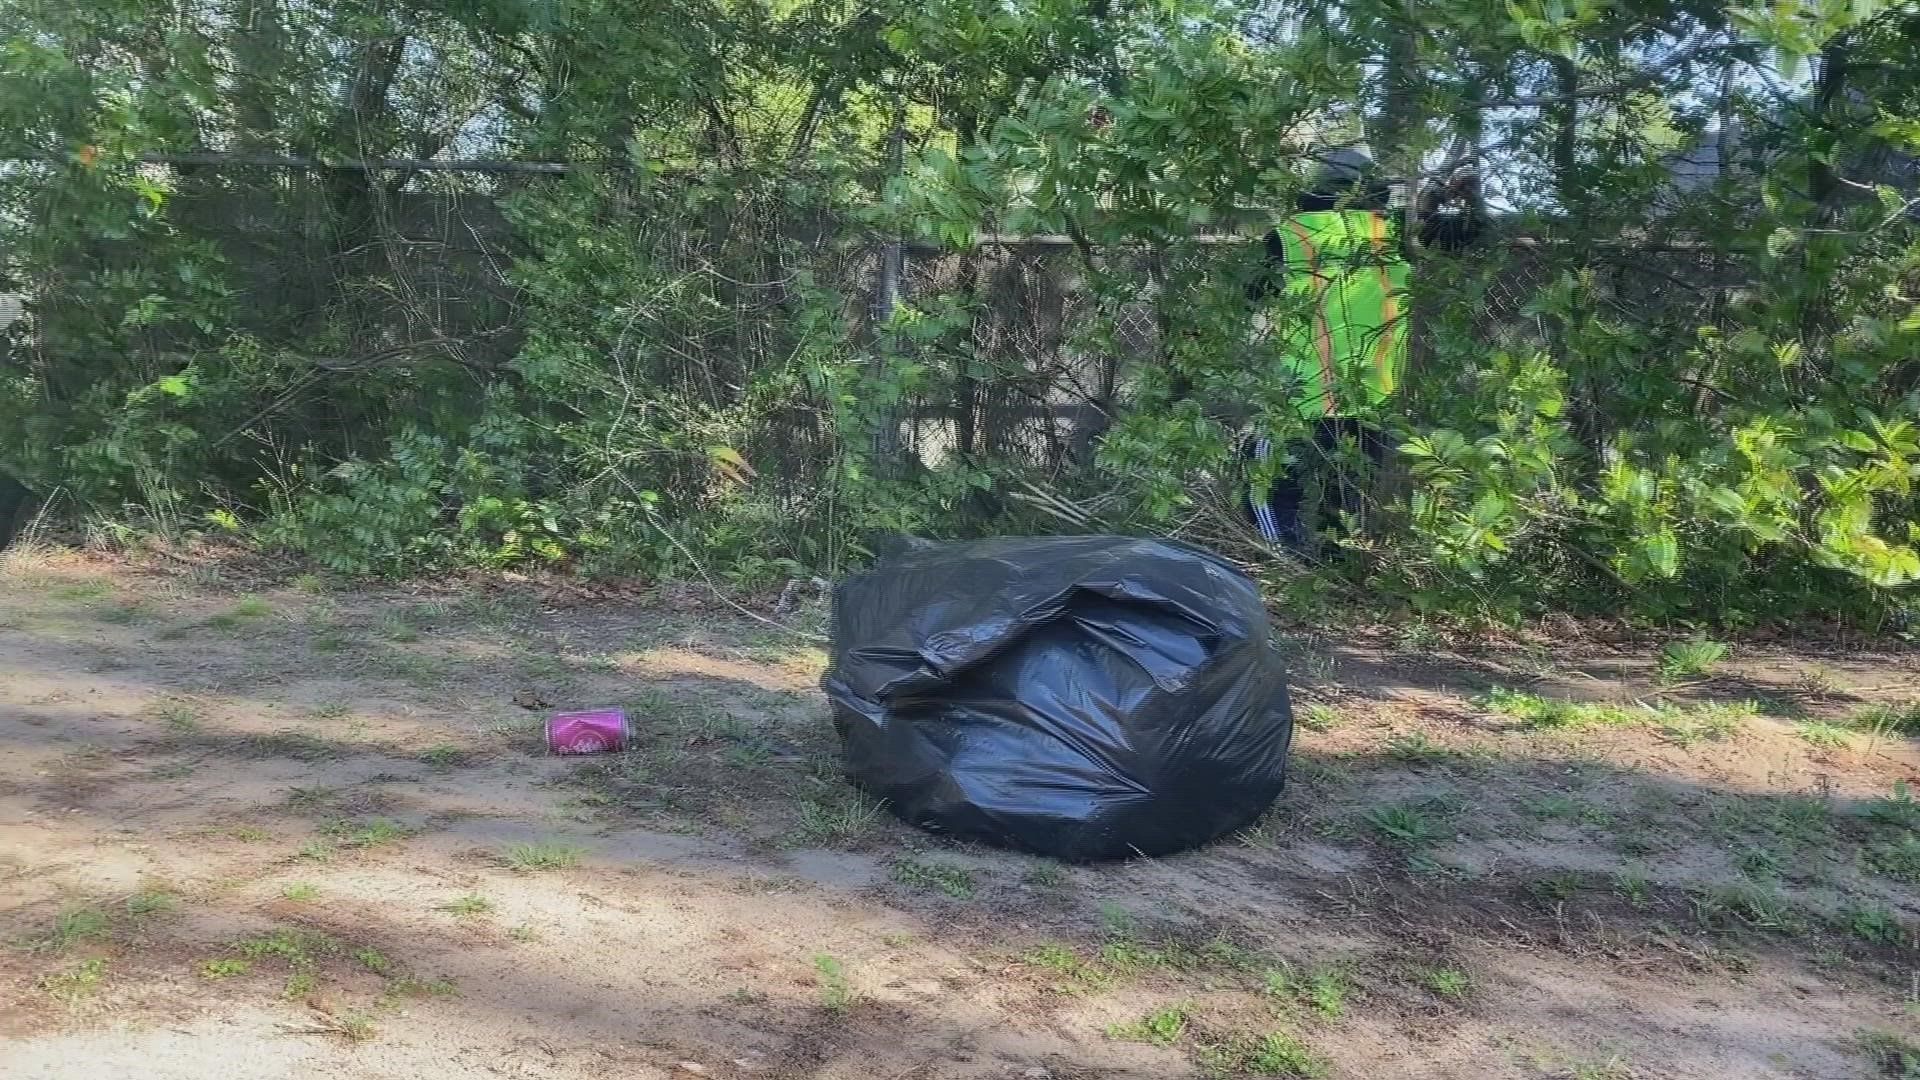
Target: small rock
(1037, 1073)
(694, 1068)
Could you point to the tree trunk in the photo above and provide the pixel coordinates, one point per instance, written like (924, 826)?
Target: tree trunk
(1566, 134)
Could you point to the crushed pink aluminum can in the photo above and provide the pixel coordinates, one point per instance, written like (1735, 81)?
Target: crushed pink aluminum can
(591, 731)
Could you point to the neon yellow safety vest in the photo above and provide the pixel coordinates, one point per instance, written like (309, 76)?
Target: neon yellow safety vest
(1348, 268)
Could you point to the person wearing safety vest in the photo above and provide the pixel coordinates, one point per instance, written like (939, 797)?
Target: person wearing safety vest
(1336, 272)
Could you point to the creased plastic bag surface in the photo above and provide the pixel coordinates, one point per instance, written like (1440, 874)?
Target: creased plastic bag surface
(1085, 697)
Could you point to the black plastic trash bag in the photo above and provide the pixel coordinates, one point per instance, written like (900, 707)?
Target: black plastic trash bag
(1084, 697)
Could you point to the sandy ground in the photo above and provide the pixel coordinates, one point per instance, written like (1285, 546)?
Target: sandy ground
(258, 827)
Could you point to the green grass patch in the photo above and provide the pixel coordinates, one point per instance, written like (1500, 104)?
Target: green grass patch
(1894, 1056)
(78, 924)
(297, 947)
(1317, 717)
(1450, 983)
(1824, 735)
(839, 821)
(830, 976)
(468, 905)
(1045, 875)
(1553, 714)
(78, 981)
(300, 890)
(1888, 721)
(1690, 659)
(1900, 810)
(1414, 824)
(364, 834)
(1161, 1027)
(442, 755)
(1558, 806)
(178, 717)
(83, 590)
(1898, 858)
(954, 881)
(1633, 888)
(248, 607)
(1324, 990)
(225, 967)
(374, 960)
(151, 902)
(1273, 1054)
(1876, 925)
(1688, 725)
(542, 855)
(1076, 974)
(299, 986)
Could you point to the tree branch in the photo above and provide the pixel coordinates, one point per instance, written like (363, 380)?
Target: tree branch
(1642, 78)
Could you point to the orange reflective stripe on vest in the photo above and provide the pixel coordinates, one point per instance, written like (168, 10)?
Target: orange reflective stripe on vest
(1322, 333)
(1389, 308)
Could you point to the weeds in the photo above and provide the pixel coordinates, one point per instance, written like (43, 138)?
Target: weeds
(1690, 659)
(1900, 810)
(76, 982)
(315, 851)
(356, 1026)
(1875, 925)
(1898, 859)
(225, 967)
(78, 924)
(1633, 888)
(524, 933)
(1408, 825)
(398, 627)
(1080, 976)
(1759, 864)
(367, 834)
(542, 855)
(1161, 1027)
(1317, 717)
(150, 902)
(413, 986)
(178, 716)
(1557, 887)
(1824, 735)
(1882, 722)
(1417, 749)
(81, 591)
(1449, 983)
(247, 607)
(1893, 1055)
(836, 994)
(840, 821)
(1557, 806)
(955, 881)
(1761, 907)
(468, 905)
(373, 960)
(1553, 713)
(1714, 722)
(1280, 1054)
(294, 946)
(299, 986)
(1324, 990)
(442, 755)
(1045, 875)
(300, 890)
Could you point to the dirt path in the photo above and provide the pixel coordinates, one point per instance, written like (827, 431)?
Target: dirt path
(252, 829)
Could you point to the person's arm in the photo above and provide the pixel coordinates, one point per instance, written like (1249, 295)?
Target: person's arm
(1273, 269)
(1453, 217)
